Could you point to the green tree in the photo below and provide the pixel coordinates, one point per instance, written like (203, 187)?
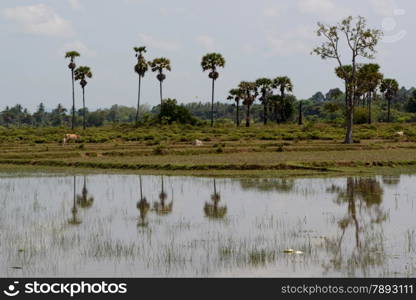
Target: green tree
(265, 87)
(72, 55)
(236, 95)
(81, 74)
(369, 78)
(249, 94)
(210, 62)
(361, 42)
(389, 87)
(159, 65)
(172, 112)
(284, 84)
(140, 68)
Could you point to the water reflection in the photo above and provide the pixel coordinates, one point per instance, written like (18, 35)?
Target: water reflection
(337, 227)
(85, 200)
(391, 180)
(162, 208)
(268, 184)
(363, 198)
(143, 206)
(212, 209)
(74, 220)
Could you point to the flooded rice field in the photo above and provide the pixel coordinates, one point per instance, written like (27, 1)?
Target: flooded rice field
(153, 226)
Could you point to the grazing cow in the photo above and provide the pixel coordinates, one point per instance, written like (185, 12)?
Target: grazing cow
(198, 143)
(400, 133)
(69, 136)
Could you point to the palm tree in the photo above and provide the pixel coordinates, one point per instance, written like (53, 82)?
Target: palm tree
(284, 84)
(370, 79)
(389, 87)
(158, 65)
(235, 94)
(140, 68)
(143, 206)
(72, 66)
(249, 94)
(265, 86)
(81, 74)
(211, 62)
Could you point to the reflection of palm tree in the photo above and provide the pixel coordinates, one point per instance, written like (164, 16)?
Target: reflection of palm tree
(143, 206)
(212, 210)
(84, 200)
(363, 197)
(161, 207)
(74, 211)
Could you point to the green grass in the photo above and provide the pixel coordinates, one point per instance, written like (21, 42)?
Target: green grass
(283, 149)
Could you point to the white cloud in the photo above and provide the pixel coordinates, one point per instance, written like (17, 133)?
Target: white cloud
(272, 12)
(151, 41)
(39, 19)
(384, 7)
(297, 41)
(207, 42)
(75, 4)
(79, 47)
(326, 9)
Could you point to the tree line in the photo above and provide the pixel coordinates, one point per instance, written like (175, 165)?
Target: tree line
(265, 99)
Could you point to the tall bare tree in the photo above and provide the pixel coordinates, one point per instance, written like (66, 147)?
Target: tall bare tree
(360, 42)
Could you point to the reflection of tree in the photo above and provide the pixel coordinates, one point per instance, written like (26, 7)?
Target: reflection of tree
(268, 184)
(212, 210)
(363, 197)
(161, 207)
(75, 220)
(84, 200)
(391, 180)
(143, 206)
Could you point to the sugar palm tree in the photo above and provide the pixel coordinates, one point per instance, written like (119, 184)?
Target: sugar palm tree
(389, 87)
(235, 94)
(210, 62)
(249, 94)
(71, 55)
(140, 68)
(81, 74)
(265, 86)
(284, 84)
(159, 65)
(370, 78)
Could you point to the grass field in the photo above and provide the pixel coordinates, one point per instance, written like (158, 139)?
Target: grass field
(284, 149)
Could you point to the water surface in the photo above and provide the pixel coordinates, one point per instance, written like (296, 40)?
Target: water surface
(141, 226)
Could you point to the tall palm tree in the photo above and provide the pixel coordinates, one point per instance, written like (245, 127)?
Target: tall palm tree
(369, 79)
(71, 55)
(284, 84)
(249, 94)
(389, 87)
(81, 74)
(235, 94)
(265, 86)
(211, 62)
(140, 68)
(159, 65)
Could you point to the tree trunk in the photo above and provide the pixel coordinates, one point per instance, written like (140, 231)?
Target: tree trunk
(138, 101)
(264, 112)
(161, 100)
(83, 108)
(238, 114)
(248, 116)
(388, 109)
(369, 100)
(73, 100)
(300, 113)
(350, 122)
(212, 103)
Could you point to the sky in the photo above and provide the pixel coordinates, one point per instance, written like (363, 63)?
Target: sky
(262, 38)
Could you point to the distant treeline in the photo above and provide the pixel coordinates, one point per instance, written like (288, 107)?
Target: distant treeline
(328, 107)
